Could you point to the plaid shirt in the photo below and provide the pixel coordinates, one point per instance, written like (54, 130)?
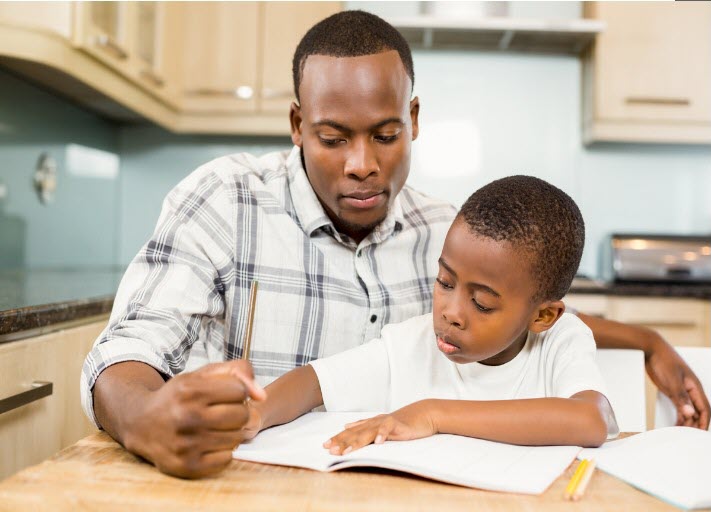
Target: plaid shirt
(183, 300)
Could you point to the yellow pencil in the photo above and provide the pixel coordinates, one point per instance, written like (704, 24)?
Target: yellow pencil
(570, 489)
(584, 481)
(250, 320)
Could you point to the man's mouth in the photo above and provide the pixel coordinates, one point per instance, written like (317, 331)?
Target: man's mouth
(446, 345)
(365, 199)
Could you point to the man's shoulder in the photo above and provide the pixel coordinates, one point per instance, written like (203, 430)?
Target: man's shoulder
(243, 168)
(420, 209)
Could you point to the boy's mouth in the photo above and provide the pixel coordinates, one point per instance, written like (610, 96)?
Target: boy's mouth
(446, 346)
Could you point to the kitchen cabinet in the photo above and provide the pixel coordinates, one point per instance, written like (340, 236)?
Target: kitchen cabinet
(648, 76)
(246, 70)
(31, 433)
(681, 321)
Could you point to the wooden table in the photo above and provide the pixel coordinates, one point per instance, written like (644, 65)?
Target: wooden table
(98, 474)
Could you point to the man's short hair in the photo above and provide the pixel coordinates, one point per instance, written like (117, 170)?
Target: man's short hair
(350, 34)
(536, 218)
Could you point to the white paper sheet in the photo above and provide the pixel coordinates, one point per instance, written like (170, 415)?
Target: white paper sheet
(453, 459)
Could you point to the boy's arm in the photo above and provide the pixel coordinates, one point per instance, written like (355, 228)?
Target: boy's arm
(288, 397)
(581, 420)
(665, 367)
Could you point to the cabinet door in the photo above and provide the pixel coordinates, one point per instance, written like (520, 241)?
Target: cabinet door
(285, 23)
(219, 56)
(50, 16)
(653, 62)
(103, 30)
(31, 433)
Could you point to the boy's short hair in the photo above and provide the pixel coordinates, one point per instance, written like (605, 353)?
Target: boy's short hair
(538, 219)
(350, 34)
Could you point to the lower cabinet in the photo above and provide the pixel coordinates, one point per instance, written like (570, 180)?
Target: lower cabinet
(683, 322)
(35, 431)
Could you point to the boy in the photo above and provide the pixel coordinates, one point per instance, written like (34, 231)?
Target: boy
(497, 359)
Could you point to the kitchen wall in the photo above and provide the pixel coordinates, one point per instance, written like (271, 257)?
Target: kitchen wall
(483, 116)
(78, 228)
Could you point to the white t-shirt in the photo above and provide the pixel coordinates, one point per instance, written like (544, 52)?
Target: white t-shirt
(405, 365)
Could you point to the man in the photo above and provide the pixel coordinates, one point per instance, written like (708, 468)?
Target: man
(340, 247)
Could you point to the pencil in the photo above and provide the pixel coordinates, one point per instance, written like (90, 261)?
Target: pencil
(250, 320)
(570, 489)
(584, 480)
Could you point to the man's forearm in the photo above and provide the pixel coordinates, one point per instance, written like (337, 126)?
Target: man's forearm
(541, 421)
(290, 396)
(611, 334)
(118, 392)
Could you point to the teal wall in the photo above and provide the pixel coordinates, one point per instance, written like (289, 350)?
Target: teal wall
(79, 227)
(483, 116)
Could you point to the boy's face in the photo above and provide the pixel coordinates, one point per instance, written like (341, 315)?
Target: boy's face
(355, 126)
(482, 299)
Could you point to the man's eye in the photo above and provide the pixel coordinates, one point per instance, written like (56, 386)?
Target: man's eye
(444, 285)
(386, 138)
(329, 142)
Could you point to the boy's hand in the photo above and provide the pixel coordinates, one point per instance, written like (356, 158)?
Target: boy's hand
(410, 422)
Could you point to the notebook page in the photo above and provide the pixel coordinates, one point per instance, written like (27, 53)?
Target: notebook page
(671, 463)
(454, 459)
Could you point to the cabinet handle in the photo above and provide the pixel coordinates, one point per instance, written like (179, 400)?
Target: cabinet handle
(243, 92)
(153, 77)
(39, 389)
(673, 102)
(274, 94)
(107, 43)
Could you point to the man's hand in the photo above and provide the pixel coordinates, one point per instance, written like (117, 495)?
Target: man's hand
(410, 422)
(676, 380)
(664, 365)
(187, 426)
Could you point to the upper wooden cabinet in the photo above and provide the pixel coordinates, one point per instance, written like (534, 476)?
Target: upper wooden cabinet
(648, 76)
(191, 67)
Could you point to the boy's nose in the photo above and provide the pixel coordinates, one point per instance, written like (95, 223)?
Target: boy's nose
(453, 314)
(361, 161)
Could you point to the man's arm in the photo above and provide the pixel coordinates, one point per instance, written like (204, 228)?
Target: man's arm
(665, 367)
(187, 426)
(581, 420)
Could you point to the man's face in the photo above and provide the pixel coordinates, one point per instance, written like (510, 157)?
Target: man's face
(482, 298)
(355, 126)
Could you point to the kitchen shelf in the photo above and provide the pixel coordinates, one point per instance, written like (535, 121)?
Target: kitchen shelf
(554, 36)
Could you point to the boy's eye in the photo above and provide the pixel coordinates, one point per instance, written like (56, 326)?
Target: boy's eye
(443, 284)
(481, 307)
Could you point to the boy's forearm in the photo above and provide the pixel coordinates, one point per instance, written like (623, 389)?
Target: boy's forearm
(290, 396)
(540, 421)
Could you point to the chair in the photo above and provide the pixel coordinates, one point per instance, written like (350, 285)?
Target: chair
(699, 360)
(623, 372)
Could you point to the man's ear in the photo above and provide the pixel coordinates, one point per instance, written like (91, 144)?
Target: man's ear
(295, 119)
(414, 115)
(548, 314)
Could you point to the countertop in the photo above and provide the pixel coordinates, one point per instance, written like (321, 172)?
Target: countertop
(32, 299)
(688, 290)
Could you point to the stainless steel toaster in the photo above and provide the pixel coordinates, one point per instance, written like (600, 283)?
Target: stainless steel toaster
(659, 258)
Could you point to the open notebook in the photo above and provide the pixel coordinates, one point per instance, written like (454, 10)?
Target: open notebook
(670, 463)
(447, 458)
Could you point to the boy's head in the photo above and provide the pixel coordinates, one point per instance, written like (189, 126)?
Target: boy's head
(354, 118)
(508, 259)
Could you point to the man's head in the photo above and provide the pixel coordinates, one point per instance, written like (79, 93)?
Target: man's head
(508, 259)
(354, 120)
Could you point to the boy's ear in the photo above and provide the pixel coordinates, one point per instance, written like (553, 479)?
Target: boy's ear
(548, 314)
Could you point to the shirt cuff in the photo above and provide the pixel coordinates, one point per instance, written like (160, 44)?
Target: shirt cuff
(111, 352)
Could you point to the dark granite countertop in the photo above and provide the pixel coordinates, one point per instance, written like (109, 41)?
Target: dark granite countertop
(689, 290)
(32, 299)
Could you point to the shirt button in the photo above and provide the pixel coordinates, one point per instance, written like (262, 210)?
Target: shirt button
(373, 318)
(359, 253)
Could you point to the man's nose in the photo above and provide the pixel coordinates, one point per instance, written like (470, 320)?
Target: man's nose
(361, 161)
